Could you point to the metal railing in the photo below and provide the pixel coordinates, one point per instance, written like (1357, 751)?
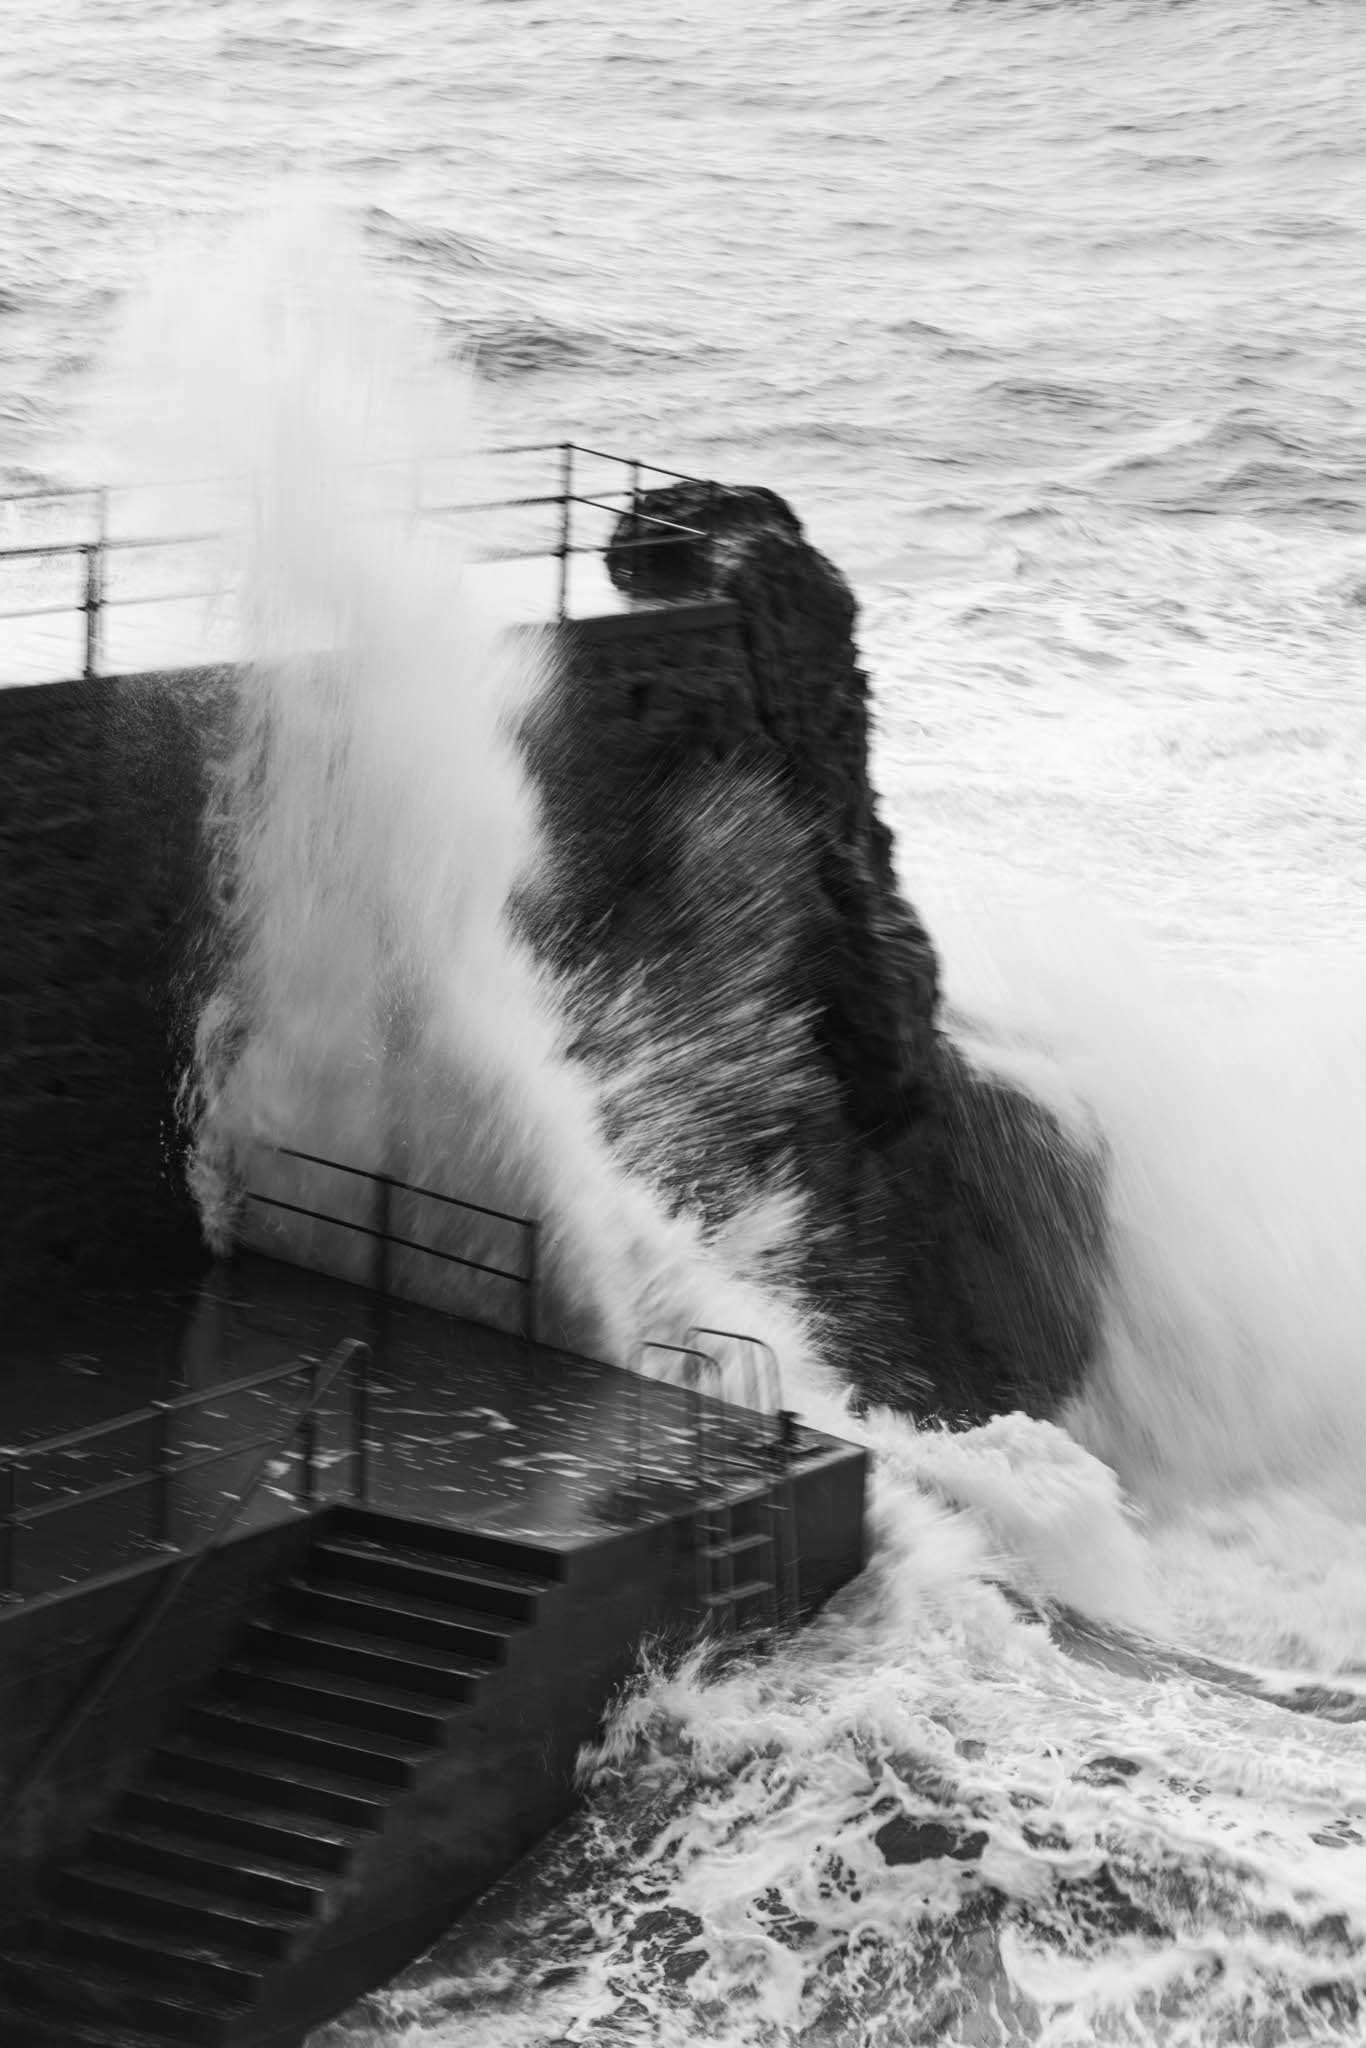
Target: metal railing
(171, 1465)
(562, 509)
(349, 1357)
(386, 1238)
(763, 1377)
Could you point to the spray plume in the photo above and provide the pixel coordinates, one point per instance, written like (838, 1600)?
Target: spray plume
(370, 818)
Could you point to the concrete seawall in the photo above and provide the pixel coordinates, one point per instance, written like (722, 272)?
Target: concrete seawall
(101, 912)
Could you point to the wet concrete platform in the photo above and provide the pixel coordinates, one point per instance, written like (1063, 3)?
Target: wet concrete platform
(463, 1423)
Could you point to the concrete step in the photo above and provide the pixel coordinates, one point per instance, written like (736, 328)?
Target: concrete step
(201, 1865)
(502, 1553)
(140, 1900)
(31, 2030)
(204, 1817)
(266, 1731)
(198, 1972)
(404, 1616)
(329, 1696)
(88, 2003)
(478, 1588)
(232, 1771)
(419, 1669)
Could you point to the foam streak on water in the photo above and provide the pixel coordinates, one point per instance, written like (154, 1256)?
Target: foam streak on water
(1051, 321)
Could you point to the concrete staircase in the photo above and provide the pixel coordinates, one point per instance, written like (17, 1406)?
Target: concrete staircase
(204, 1906)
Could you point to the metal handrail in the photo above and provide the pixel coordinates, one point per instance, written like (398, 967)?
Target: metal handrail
(95, 550)
(57, 493)
(154, 1613)
(690, 1387)
(246, 1383)
(407, 1186)
(169, 1467)
(765, 1350)
(385, 1185)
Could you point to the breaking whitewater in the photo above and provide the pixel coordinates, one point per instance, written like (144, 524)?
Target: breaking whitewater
(1081, 1758)
(1048, 322)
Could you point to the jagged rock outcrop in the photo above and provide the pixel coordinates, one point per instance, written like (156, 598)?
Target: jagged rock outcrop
(722, 883)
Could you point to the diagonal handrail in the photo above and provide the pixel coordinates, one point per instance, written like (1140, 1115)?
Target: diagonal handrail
(352, 1352)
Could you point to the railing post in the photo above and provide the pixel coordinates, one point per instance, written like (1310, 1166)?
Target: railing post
(384, 1223)
(163, 1511)
(530, 1325)
(9, 1528)
(639, 1489)
(566, 522)
(308, 1440)
(360, 1423)
(94, 584)
(91, 607)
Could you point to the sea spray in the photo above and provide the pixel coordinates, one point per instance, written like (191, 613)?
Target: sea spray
(927, 1813)
(371, 822)
(1234, 1123)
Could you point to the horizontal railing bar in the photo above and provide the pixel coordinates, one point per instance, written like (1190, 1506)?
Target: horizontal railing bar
(409, 1187)
(649, 519)
(108, 546)
(498, 504)
(548, 553)
(114, 604)
(181, 1462)
(160, 540)
(72, 609)
(517, 448)
(71, 1439)
(22, 1517)
(630, 462)
(53, 548)
(245, 1383)
(58, 493)
(85, 547)
(601, 503)
(408, 1244)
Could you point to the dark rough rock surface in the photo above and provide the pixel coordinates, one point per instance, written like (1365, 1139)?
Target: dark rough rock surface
(955, 1230)
(903, 1840)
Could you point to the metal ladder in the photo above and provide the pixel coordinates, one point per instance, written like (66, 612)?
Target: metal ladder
(747, 1585)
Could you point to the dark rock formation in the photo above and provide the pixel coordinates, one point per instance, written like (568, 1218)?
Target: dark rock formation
(722, 883)
(903, 1840)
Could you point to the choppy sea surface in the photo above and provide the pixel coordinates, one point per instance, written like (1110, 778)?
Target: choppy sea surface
(1050, 322)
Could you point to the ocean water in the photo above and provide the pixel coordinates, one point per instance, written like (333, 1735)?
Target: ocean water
(1050, 321)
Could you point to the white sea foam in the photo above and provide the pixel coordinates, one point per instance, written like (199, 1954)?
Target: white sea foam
(1058, 355)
